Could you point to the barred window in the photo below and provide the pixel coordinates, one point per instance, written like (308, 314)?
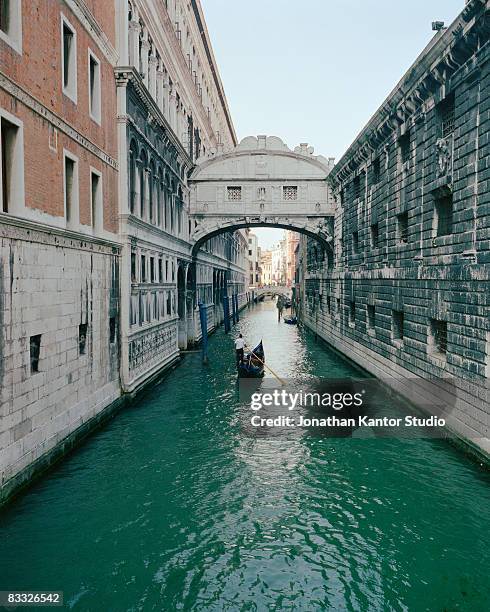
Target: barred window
(397, 324)
(376, 170)
(443, 209)
(446, 115)
(357, 187)
(371, 317)
(402, 228)
(438, 336)
(374, 236)
(290, 192)
(404, 145)
(234, 193)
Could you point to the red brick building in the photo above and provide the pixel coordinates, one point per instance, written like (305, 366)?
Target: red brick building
(58, 222)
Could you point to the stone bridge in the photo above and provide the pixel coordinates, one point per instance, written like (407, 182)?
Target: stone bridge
(261, 183)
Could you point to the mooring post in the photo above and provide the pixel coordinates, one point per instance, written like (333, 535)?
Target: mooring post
(203, 316)
(226, 313)
(237, 315)
(233, 308)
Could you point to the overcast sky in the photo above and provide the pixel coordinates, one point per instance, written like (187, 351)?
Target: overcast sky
(316, 70)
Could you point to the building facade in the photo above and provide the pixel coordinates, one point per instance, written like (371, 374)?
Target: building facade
(172, 111)
(254, 258)
(59, 253)
(405, 290)
(105, 107)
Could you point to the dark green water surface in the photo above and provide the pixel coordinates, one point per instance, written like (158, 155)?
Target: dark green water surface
(171, 507)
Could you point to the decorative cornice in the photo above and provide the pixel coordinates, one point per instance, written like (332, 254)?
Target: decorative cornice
(37, 107)
(128, 74)
(34, 231)
(432, 74)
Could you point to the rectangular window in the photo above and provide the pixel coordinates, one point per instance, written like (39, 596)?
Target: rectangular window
(374, 235)
(160, 271)
(370, 318)
(143, 268)
(290, 193)
(234, 193)
(376, 171)
(397, 324)
(71, 190)
(5, 9)
(357, 187)
(404, 147)
(82, 338)
(133, 268)
(443, 210)
(402, 228)
(438, 337)
(94, 87)
(96, 200)
(352, 313)
(166, 269)
(329, 305)
(112, 330)
(355, 243)
(338, 308)
(152, 269)
(11, 23)
(11, 164)
(445, 111)
(69, 59)
(35, 349)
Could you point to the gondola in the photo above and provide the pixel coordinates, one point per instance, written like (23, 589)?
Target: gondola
(252, 365)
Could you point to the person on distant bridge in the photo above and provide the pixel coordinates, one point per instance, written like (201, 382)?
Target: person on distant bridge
(239, 346)
(280, 307)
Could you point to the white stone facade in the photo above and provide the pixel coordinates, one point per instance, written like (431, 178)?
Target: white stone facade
(53, 287)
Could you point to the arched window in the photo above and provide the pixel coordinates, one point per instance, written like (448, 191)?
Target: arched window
(159, 197)
(133, 156)
(143, 166)
(151, 191)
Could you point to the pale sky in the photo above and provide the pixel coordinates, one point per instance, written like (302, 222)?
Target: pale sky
(316, 70)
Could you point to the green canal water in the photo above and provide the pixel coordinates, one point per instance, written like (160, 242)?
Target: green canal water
(171, 507)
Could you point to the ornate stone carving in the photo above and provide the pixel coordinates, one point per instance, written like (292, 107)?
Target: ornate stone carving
(443, 152)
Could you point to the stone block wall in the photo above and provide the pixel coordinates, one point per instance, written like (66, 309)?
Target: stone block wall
(405, 291)
(59, 347)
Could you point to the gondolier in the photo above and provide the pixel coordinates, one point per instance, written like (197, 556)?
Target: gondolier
(239, 346)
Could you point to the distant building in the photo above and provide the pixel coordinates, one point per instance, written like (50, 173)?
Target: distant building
(254, 258)
(266, 267)
(292, 241)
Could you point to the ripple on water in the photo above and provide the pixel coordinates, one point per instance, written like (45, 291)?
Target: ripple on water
(171, 506)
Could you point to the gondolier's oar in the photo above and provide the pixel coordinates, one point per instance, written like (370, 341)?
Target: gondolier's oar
(264, 364)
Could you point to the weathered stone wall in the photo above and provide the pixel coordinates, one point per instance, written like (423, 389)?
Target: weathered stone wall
(408, 295)
(51, 285)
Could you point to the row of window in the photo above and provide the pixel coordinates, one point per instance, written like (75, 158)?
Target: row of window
(11, 177)
(443, 225)
(151, 306)
(151, 269)
(35, 342)
(437, 328)
(289, 193)
(70, 73)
